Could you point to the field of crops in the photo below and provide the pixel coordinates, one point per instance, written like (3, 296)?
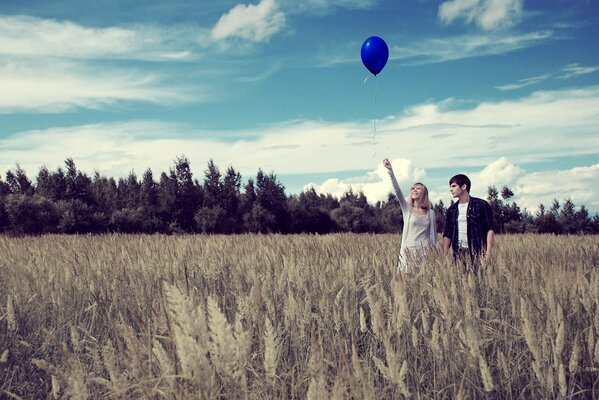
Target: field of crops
(294, 317)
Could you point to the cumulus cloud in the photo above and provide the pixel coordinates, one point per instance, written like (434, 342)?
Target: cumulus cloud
(530, 189)
(579, 184)
(254, 23)
(375, 184)
(487, 14)
(499, 173)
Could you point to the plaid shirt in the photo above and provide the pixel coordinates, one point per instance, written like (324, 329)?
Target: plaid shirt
(479, 220)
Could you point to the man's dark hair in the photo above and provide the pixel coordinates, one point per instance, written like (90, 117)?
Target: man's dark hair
(460, 180)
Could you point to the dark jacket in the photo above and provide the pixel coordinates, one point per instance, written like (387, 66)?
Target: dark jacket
(479, 220)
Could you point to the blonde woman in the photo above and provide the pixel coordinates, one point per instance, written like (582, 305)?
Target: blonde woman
(419, 233)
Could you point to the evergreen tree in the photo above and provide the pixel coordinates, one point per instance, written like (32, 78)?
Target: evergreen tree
(583, 221)
(149, 194)
(546, 221)
(188, 196)
(213, 185)
(150, 204)
(18, 182)
(104, 193)
(440, 211)
(567, 217)
(210, 218)
(129, 192)
(270, 211)
(230, 201)
(247, 201)
(44, 185)
(78, 184)
(167, 195)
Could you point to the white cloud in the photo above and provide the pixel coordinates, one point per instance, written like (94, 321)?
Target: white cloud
(375, 185)
(522, 83)
(578, 184)
(539, 128)
(466, 46)
(498, 173)
(52, 66)
(487, 14)
(36, 37)
(323, 6)
(254, 23)
(574, 70)
(51, 86)
(567, 72)
(530, 189)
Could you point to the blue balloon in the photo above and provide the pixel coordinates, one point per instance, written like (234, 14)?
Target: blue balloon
(375, 54)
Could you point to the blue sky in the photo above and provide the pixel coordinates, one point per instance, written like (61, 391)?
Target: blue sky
(506, 91)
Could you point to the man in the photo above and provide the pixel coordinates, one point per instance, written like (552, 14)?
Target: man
(468, 225)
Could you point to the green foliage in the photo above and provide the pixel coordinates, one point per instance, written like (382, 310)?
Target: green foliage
(68, 201)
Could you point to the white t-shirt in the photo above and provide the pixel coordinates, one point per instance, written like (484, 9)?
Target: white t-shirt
(462, 225)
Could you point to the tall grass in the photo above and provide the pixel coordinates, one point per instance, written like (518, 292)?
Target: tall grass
(293, 317)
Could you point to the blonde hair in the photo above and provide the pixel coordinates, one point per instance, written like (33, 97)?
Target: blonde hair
(424, 201)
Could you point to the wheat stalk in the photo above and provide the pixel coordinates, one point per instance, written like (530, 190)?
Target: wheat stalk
(11, 320)
(271, 349)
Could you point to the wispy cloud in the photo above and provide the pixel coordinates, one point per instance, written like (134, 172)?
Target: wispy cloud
(522, 83)
(447, 48)
(466, 46)
(487, 14)
(253, 23)
(325, 6)
(37, 37)
(52, 66)
(51, 86)
(574, 70)
(568, 72)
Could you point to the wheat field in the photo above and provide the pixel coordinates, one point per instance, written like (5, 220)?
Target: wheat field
(294, 317)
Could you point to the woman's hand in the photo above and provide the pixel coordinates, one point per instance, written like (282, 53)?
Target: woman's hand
(387, 164)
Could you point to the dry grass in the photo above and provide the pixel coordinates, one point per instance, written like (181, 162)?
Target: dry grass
(268, 316)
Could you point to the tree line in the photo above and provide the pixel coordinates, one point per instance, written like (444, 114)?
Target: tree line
(71, 202)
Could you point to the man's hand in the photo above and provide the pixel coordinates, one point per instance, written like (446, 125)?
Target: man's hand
(490, 242)
(446, 245)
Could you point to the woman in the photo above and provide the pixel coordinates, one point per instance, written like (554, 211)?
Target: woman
(419, 233)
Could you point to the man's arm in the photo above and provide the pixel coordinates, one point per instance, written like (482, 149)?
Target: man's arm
(447, 232)
(446, 244)
(490, 241)
(490, 232)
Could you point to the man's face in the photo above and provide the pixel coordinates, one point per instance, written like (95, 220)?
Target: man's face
(456, 190)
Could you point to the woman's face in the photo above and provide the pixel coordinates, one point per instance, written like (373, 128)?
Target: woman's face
(416, 192)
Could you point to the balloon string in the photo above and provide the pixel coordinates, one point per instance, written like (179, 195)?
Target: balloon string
(376, 90)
